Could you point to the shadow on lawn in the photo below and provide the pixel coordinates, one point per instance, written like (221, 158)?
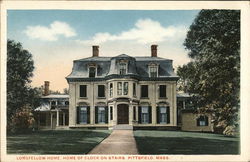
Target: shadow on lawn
(185, 145)
(55, 142)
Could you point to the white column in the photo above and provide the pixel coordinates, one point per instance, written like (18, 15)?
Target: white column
(130, 113)
(64, 119)
(115, 113)
(51, 120)
(153, 103)
(184, 106)
(57, 117)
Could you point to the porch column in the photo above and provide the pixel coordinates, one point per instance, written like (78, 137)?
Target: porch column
(115, 113)
(130, 114)
(184, 106)
(57, 117)
(64, 119)
(51, 120)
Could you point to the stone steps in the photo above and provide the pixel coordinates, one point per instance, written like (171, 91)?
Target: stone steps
(123, 127)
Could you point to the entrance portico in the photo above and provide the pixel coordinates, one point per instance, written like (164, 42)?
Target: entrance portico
(124, 111)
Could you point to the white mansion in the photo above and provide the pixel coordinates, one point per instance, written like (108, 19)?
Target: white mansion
(122, 90)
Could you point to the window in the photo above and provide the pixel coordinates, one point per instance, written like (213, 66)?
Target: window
(144, 115)
(53, 103)
(119, 88)
(83, 115)
(83, 90)
(111, 112)
(66, 103)
(134, 89)
(92, 71)
(163, 93)
(111, 89)
(123, 68)
(101, 115)
(125, 88)
(163, 115)
(60, 103)
(101, 91)
(134, 113)
(153, 71)
(202, 121)
(144, 91)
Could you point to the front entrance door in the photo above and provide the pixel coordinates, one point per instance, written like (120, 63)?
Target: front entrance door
(122, 114)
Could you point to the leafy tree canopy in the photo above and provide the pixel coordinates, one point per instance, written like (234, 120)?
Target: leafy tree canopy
(213, 41)
(20, 66)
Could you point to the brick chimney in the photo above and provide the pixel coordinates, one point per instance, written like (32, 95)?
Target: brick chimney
(46, 88)
(95, 51)
(154, 50)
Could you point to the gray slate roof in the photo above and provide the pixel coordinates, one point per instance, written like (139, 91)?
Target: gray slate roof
(107, 67)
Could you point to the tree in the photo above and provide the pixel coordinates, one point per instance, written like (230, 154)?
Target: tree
(20, 66)
(213, 41)
(65, 91)
(185, 72)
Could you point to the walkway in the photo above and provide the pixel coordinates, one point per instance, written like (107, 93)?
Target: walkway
(119, 142)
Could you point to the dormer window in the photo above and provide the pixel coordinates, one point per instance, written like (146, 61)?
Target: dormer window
(92, 71)
(122, 68)
(153, 71)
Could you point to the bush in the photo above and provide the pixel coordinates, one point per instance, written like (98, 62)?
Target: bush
(22, 120)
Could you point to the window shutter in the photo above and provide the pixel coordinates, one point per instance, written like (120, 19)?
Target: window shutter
(77, 114)
(96, 114)
(168, 115)
(198, 121)
(106, 114)
(150, 114)
(206, 121)
(139, 114)
(158, 114)
(88, 114)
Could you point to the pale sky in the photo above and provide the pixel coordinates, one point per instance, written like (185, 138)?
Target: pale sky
(57, 37)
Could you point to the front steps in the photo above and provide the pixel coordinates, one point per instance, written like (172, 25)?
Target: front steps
(123, 127)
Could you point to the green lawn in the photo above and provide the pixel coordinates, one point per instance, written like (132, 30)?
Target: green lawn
(55, 142)
(177, 142)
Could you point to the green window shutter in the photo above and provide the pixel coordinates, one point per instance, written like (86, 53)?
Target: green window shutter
(106, 114)
(206, 121)
(158, 114)
(150, 114)
(88, 114)
(139, 114)
(168, 115)
(77, 115)
(96, 114)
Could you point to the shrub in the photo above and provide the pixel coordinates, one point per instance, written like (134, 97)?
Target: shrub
(22, 120)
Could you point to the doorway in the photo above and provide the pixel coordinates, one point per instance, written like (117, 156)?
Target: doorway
(122, 114)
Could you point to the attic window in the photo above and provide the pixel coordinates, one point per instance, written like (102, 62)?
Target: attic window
(122, 68)
(92, 72)
(153, 71)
